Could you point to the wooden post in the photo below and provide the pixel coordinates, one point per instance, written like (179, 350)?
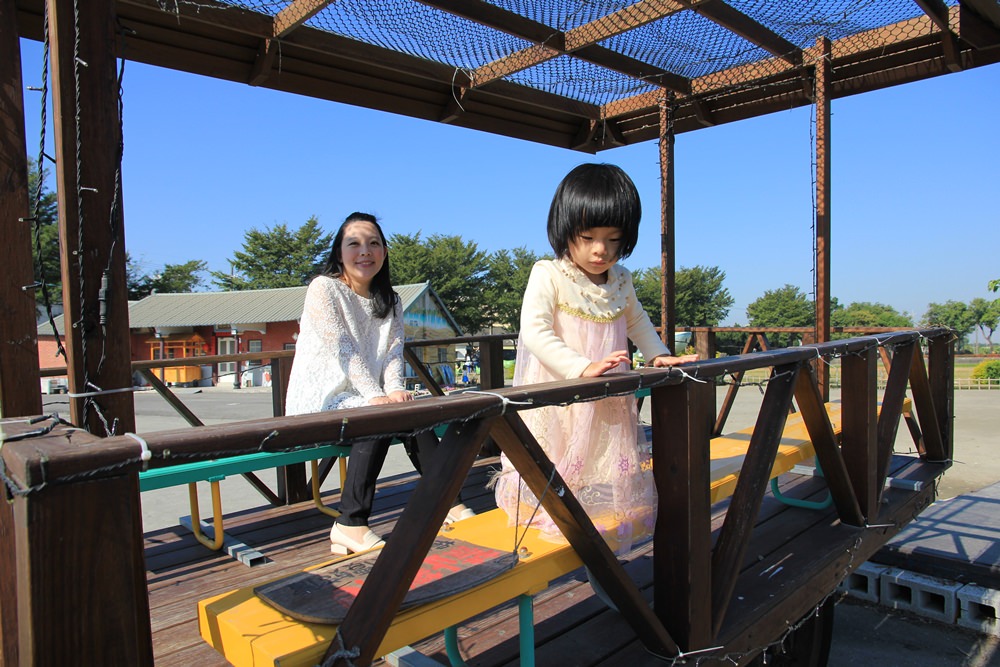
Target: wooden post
(81, 579)
(91, 230)
(823, 91)
(682, 543)
(668, 314)
(491, 364)
(19, 387)
(859, 434)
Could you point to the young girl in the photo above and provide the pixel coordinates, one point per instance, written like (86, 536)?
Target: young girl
(578, 312)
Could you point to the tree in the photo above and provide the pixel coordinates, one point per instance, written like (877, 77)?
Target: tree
(45, 241)
(784, 307)
(953, 314)
(700, 298)
(506, 278)
(867, 314)
(172, 278)
(994, 285)
(277, 257)
(987, 317)
(456, 269)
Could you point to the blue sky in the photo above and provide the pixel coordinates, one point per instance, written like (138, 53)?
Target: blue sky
(914, 206)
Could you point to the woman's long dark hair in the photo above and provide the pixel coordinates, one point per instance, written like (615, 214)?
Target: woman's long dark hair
(382, 295)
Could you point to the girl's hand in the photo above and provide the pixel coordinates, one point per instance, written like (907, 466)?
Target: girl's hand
(666, 360)
(608, 363)
(379, 400)
(400, 396)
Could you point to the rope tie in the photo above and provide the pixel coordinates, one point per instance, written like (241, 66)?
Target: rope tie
(504, 401)
(145, 454)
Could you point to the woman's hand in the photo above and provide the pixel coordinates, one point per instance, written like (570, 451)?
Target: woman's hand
(608, 363)
(400, 396)
(665, 360)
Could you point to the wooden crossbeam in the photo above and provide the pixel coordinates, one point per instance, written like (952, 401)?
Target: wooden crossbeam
(379, 599)
(750, 488)
(827, 448)
(582, 41)
(295, 14)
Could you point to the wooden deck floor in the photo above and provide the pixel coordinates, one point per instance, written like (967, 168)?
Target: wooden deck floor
(572, 625)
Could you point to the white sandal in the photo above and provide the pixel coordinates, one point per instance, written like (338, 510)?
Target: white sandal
(457, 513)
(342, 544)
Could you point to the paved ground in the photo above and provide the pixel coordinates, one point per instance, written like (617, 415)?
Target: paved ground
(864, 635)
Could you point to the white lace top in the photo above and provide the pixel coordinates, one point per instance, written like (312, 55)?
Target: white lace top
(344, 355)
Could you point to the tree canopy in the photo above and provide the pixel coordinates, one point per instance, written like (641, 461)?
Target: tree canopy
(506, 278)
(986, 314)
(867, 314)
(953, 314)
(457, 271)
(45, 241)
(277, 257)
(787, 306)
(701, 300)
(172, 278)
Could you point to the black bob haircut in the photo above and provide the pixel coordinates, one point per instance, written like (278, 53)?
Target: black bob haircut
(594, 195)
(382, 294)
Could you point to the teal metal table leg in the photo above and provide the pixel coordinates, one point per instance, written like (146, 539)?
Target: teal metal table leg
(451, 646)
(526, 622)
(797, 502)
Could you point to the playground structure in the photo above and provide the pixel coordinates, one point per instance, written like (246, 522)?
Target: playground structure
(750, 62)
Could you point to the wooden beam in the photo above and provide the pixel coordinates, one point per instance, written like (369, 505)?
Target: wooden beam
(977, 30)
(264, 61)
(604, 57)
(987, 9)
(295, 14)
(936, 11)
(91, 228)
(741, 24)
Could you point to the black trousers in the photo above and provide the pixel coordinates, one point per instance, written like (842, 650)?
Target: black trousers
(363, 469)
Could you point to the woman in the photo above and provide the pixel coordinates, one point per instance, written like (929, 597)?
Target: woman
(349, 353)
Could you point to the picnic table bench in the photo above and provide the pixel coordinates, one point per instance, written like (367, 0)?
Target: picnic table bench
(248, 631)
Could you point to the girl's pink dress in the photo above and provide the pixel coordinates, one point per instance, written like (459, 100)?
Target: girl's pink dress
(594, 445)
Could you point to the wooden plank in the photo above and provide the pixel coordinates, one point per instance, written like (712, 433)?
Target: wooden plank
(928, 411)
(822, 90)
(941, 373)
(750, 489)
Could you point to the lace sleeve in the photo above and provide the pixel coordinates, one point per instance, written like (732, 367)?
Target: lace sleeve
(394, 367)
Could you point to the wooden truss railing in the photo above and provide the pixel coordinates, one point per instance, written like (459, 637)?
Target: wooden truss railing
(75, 500)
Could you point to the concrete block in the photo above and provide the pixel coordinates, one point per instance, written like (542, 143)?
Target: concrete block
(979, 609)
(928, 596)
(408, 657)
(864, 582)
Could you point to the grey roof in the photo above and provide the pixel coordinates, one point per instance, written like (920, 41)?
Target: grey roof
(237, 307)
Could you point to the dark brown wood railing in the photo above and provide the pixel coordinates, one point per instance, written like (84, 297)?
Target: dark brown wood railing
(75, 499)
